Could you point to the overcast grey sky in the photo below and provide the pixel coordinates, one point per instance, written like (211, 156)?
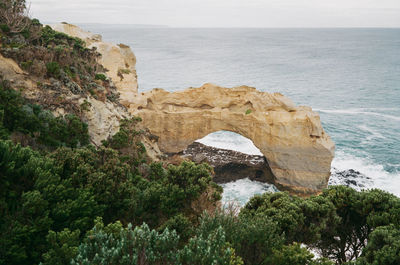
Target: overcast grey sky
(223, 13)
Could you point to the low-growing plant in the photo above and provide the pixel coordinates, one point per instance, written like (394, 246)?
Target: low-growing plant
(100, 76)
(53, 69)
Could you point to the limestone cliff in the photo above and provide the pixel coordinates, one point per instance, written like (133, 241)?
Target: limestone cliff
(118, 59)
(291, 138)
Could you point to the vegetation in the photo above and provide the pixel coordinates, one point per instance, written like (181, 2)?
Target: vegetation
(13, 16)
(31, 125)
(64, 201)
(102, 77)
(44, 53)
(53, 69)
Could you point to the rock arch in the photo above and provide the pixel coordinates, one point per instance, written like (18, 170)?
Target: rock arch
(291, 138)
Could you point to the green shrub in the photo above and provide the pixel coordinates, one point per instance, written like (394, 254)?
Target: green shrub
(127, 246)
(213, 249)
(35, 199)
(124, 71)
(53, 69)
(36, 22)
(26, 65)
(383, 247)
(50, 36)
(102, 77)
(114, 244)
(337, 223)
(4, 28)
(63, 247)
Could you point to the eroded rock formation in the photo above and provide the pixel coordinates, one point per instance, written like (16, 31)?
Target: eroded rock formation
(118, 59)
(291, 138)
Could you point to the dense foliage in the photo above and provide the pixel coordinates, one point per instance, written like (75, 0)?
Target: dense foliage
(50, 198)
(337, 224)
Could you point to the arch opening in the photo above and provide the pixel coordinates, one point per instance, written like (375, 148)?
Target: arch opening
(239, 166)
(232, 156)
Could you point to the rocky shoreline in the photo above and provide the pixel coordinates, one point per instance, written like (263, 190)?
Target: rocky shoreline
(230, 165)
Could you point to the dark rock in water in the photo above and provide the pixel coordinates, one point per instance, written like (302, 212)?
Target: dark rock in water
(230, 165)
(350, 177)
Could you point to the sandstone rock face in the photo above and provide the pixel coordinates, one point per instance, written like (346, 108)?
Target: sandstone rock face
(291, 138)
(119, 60)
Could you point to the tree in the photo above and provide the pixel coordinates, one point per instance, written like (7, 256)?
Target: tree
(15, 15)
(296, 255)
(253, 238)
(359, 214)
(383, 247)
(336, 223)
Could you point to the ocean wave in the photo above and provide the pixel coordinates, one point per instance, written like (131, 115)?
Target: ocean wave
(360, 111)
(240, 191)
(376, 175)
(372, 134)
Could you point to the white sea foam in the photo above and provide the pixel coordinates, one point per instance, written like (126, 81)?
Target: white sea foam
(359, 111)
(378, 176)
(372, 134)
(242, 190)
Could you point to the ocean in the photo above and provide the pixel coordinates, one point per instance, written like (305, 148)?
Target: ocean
(351, 77)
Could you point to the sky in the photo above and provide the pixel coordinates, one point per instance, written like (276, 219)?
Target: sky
(223, 13)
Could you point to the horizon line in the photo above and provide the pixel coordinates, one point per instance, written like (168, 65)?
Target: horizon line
(226, 27)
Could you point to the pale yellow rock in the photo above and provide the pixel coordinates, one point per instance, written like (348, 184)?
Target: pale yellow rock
(103, 118)
(292, 139)
(119, 60)
(10, 70)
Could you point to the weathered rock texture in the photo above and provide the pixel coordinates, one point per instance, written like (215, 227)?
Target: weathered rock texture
(118, 59)
(291, 138)
(230, 165)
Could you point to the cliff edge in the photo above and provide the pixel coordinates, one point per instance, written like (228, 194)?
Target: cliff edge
(118, 60)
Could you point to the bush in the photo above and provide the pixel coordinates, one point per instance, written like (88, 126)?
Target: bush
(253, 239)
(383, 247)
(117, 245)
(336, 223)
(102, 77)
(4, 28)
(50, 36)
(53, 69)
(127, 246)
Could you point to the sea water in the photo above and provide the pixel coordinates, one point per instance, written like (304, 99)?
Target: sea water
(351, 77)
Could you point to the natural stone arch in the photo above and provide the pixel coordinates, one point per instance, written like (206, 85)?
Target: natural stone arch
(292, 139)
